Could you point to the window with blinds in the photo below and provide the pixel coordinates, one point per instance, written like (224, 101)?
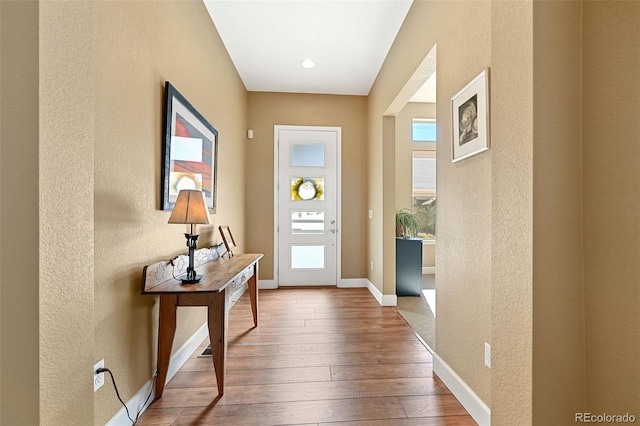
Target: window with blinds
(424, 192)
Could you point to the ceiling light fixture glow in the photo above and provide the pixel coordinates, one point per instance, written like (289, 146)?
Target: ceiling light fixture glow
(307, 63)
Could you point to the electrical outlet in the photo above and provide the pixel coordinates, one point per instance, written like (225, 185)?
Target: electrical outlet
(370, 214)
(98, 378)
(372, 265)
(487, 354)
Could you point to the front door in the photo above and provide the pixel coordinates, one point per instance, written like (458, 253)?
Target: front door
(307, 205)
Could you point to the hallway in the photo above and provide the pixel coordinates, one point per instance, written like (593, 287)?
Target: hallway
(319, 356)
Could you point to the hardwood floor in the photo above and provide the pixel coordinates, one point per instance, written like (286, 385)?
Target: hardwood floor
(320, 356)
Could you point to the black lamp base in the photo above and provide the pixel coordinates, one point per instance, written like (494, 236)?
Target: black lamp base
(193, 280)
(191, 277)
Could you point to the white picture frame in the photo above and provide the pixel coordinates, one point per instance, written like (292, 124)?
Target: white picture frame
(470, 116)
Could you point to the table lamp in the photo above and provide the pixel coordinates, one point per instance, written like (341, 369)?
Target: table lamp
(190, 209)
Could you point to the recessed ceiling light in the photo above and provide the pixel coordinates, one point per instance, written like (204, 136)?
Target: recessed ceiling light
(307, 63)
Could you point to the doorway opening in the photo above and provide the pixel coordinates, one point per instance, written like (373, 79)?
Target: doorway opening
(414, 112)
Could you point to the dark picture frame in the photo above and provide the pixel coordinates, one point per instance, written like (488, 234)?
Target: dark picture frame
(190, 151)
(470, 115)
(227, 239)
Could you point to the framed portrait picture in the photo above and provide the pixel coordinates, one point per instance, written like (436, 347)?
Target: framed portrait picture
(470, 112)
(189, 153)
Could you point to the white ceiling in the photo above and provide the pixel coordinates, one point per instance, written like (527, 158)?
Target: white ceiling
(347, 39)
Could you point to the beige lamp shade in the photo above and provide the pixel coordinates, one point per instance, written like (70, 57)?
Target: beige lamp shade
(190, 208)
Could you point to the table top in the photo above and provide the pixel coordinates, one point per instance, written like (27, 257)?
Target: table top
(216, 276)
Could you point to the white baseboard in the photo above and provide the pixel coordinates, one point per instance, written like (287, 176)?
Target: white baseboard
(267, 284)
(353, 282)
(137, 402)
(389, 300)
(383, 299)
(430, 270)
(467, 397)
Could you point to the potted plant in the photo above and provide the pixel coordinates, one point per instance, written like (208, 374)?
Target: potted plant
(406, 224)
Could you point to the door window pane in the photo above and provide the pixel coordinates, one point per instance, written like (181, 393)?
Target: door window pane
(307, 155)
(307, 189)
(307, 223)
(307, 257)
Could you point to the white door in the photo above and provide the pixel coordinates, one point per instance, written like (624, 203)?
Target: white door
(307, 205)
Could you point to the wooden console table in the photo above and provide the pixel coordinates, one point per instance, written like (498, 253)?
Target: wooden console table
(219, 277)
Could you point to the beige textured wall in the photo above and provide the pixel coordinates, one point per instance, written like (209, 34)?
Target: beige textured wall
(388, 188)
(348, 112)
(0, 216)
(66, 244)
(139, 45)
(558, 302)
(511, 212)
(464, 189)
(428, 255)
(19, 403)
(611, 125)
(403, 164)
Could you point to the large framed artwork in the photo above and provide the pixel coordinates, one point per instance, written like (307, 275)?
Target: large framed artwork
(470, 112)
(189, 153)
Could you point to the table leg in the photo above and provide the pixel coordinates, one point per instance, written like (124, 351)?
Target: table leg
(218, 329)
(253, 294)
(166, 332)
